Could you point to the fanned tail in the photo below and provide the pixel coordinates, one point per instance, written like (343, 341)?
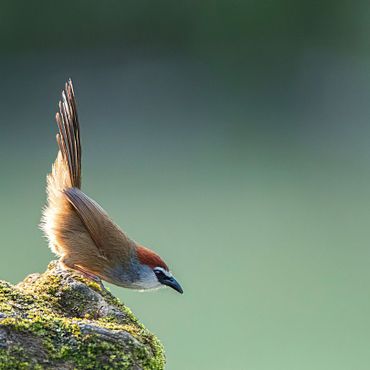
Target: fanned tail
(66, 170)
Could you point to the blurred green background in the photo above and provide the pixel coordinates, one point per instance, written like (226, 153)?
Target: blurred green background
(231, 137)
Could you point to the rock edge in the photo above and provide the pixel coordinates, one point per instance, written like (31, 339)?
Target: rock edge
(60, 320)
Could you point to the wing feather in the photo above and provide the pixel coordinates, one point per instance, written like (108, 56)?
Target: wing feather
(110, 240)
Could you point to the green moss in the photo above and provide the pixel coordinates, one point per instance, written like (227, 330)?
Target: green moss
(8, 361)
(91, 284)
(55, 318)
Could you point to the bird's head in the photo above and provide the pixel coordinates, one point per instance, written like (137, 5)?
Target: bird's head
(154, 272)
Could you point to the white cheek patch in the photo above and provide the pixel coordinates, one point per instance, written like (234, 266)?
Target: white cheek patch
(148, 279)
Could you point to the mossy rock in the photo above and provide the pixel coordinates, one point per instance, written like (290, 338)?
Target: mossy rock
(60, 320)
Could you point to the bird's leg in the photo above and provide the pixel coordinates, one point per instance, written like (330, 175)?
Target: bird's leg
(87, 274)
(69, 264)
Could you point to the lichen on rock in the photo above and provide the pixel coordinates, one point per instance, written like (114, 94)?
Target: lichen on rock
(60, 320)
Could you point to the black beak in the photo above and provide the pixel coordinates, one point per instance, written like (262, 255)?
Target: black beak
(171, 282)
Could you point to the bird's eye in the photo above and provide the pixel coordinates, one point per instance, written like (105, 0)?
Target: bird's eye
(158, 272)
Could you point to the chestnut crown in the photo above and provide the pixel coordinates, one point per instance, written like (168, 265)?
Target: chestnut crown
(158, 267)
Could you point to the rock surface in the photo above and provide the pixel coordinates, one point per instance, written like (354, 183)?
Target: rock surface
(60, 320)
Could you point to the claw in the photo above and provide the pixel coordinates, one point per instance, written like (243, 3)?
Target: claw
(87, 274)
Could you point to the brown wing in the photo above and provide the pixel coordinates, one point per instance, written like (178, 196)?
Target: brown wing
(110, 240)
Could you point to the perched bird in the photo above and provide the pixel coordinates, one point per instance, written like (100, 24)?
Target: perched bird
(80, 232)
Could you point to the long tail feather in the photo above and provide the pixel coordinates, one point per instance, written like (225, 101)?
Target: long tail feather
(66, 170)
(68, 137)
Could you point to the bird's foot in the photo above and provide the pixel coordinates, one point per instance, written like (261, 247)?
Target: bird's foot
(87, 274)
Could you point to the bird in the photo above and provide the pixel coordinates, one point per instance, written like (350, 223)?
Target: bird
(80, 232)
